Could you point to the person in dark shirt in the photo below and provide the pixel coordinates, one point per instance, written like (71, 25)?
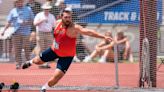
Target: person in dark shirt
(34, 5)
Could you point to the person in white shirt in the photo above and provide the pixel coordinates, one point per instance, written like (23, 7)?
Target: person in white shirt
(44, 22)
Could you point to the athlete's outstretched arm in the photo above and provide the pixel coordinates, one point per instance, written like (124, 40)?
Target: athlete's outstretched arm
(90, 32)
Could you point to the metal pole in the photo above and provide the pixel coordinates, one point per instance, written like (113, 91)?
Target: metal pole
(116, 61)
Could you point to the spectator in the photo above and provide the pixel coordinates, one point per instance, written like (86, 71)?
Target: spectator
(81, 48)
(44, 22)
(20, 17)
(36, 8)
(105, 47)
(58, 8)
(124, 48)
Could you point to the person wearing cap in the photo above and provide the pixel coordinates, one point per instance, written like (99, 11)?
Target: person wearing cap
(44, 22)
(63, 47)
(21, 18)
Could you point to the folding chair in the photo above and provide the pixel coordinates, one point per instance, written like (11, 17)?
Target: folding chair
(162, 61)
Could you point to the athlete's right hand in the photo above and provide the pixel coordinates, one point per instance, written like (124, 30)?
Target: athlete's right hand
(108, 38)
(2, 34)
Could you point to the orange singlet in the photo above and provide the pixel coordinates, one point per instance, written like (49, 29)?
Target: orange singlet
(63, 45)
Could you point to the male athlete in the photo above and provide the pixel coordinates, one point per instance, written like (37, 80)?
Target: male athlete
(63, 47)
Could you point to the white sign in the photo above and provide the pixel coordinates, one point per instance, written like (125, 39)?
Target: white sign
(125, 16)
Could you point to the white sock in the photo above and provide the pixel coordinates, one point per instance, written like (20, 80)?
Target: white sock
(31, 61)
(45, 86)
(131, 58)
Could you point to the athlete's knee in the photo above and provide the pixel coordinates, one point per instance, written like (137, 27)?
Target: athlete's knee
(58, 74)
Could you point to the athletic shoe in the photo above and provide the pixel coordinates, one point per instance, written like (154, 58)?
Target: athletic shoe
(75, 59)
(87, 59)
(26, 65)
(43, 90)
(1, 86)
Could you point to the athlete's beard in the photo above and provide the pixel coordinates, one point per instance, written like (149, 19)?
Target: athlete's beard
(67, 23)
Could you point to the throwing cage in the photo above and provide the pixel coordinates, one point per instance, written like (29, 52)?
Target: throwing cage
(148, 52)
